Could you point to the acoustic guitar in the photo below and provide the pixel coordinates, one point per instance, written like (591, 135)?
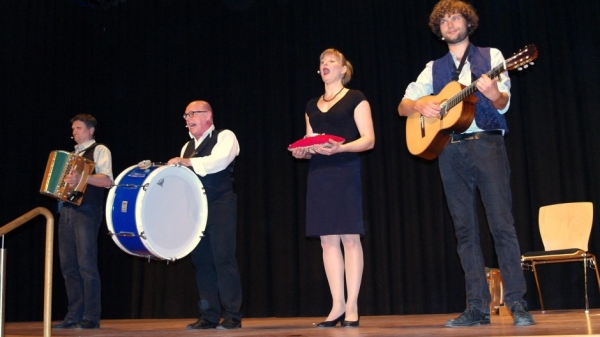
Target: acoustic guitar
(426, 137)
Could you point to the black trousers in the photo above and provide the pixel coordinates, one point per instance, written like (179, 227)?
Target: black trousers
(217, 273)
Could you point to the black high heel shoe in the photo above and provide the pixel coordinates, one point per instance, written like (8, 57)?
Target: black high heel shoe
(331, 324)
(351, 324)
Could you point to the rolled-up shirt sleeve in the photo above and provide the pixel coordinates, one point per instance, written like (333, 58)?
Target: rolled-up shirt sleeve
(503, 81)
(423, 86)
(103, 160)
(224, 152)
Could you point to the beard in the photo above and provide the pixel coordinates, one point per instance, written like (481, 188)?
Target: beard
(459, 38)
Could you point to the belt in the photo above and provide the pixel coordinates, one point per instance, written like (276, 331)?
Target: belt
(459, 137)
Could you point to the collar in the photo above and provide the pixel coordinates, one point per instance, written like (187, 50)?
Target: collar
(204, 135)
(467, 53)
(80, 148)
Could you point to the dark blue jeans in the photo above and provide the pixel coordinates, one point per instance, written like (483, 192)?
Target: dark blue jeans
(482, 165)
(78, 250)
(217, 274)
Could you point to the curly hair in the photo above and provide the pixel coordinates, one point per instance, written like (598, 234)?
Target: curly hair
(445, 7)
(338, 54)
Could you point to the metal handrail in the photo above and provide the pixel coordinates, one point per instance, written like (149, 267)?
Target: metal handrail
(48, 262)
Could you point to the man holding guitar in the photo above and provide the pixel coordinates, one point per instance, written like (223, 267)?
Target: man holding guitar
(472, 155)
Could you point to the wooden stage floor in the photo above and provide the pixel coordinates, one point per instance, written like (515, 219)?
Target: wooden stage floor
(552, 323)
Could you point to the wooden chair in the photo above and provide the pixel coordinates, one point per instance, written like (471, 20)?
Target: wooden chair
(565, 230)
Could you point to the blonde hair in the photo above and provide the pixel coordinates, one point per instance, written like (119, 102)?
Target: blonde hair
(338, 54)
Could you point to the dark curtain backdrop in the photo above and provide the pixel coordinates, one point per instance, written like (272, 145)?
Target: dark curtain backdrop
(136, 64)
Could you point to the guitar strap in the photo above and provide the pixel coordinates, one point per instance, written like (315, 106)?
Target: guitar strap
(461, 65)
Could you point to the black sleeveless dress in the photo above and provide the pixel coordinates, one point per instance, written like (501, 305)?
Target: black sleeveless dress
(334, 189)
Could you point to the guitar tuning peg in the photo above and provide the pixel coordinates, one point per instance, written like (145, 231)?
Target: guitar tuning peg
(531, 63)
(526, 66)
(520, 68)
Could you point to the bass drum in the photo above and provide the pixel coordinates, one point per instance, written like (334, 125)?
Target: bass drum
(157, 212)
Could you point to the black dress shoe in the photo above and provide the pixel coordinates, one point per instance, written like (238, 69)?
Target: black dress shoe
(470, 317)
(331, 324)
(230, 323)
(351, 324)
(201, 324)
(521, 316)
(87, 324)
(66, 324)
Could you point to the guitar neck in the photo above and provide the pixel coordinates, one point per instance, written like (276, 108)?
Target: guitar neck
(471, 88)
(427, 137)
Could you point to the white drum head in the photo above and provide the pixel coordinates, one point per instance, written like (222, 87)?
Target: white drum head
(171, 213)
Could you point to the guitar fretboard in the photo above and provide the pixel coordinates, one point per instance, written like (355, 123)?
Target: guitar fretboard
(470, 89)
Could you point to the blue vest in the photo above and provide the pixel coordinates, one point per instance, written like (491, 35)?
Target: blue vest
(215, 184)
(486, 116)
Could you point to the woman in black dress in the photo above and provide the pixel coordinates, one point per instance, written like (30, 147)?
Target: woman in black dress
(334, 195)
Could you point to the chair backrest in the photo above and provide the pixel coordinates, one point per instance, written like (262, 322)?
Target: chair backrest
(567, 225)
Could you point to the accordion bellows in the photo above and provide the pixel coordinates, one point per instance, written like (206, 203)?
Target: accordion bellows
(60, 163)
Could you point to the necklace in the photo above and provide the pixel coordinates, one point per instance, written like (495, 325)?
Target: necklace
(332, 98)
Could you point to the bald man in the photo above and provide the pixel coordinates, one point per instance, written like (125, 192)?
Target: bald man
(211, 155)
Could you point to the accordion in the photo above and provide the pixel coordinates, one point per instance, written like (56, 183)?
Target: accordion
(60, 164)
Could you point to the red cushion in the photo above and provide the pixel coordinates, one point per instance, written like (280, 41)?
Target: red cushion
(315, 140)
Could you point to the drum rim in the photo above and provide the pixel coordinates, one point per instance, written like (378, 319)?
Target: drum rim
(139, 200)
(203, 212)
(109, 210)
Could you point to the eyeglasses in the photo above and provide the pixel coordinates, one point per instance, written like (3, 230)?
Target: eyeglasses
(192, 113)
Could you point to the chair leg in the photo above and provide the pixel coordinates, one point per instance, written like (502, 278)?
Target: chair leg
(594, 266)
(537, 283)
(585, 285)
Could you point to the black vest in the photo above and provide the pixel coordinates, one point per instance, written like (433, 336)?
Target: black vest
(93, 194)
(215, 184)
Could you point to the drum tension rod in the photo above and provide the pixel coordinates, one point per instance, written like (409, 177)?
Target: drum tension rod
(125, 234)
(126, 186)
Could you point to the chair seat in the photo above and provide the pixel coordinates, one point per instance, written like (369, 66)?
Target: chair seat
(560, 254)
(563, 226)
